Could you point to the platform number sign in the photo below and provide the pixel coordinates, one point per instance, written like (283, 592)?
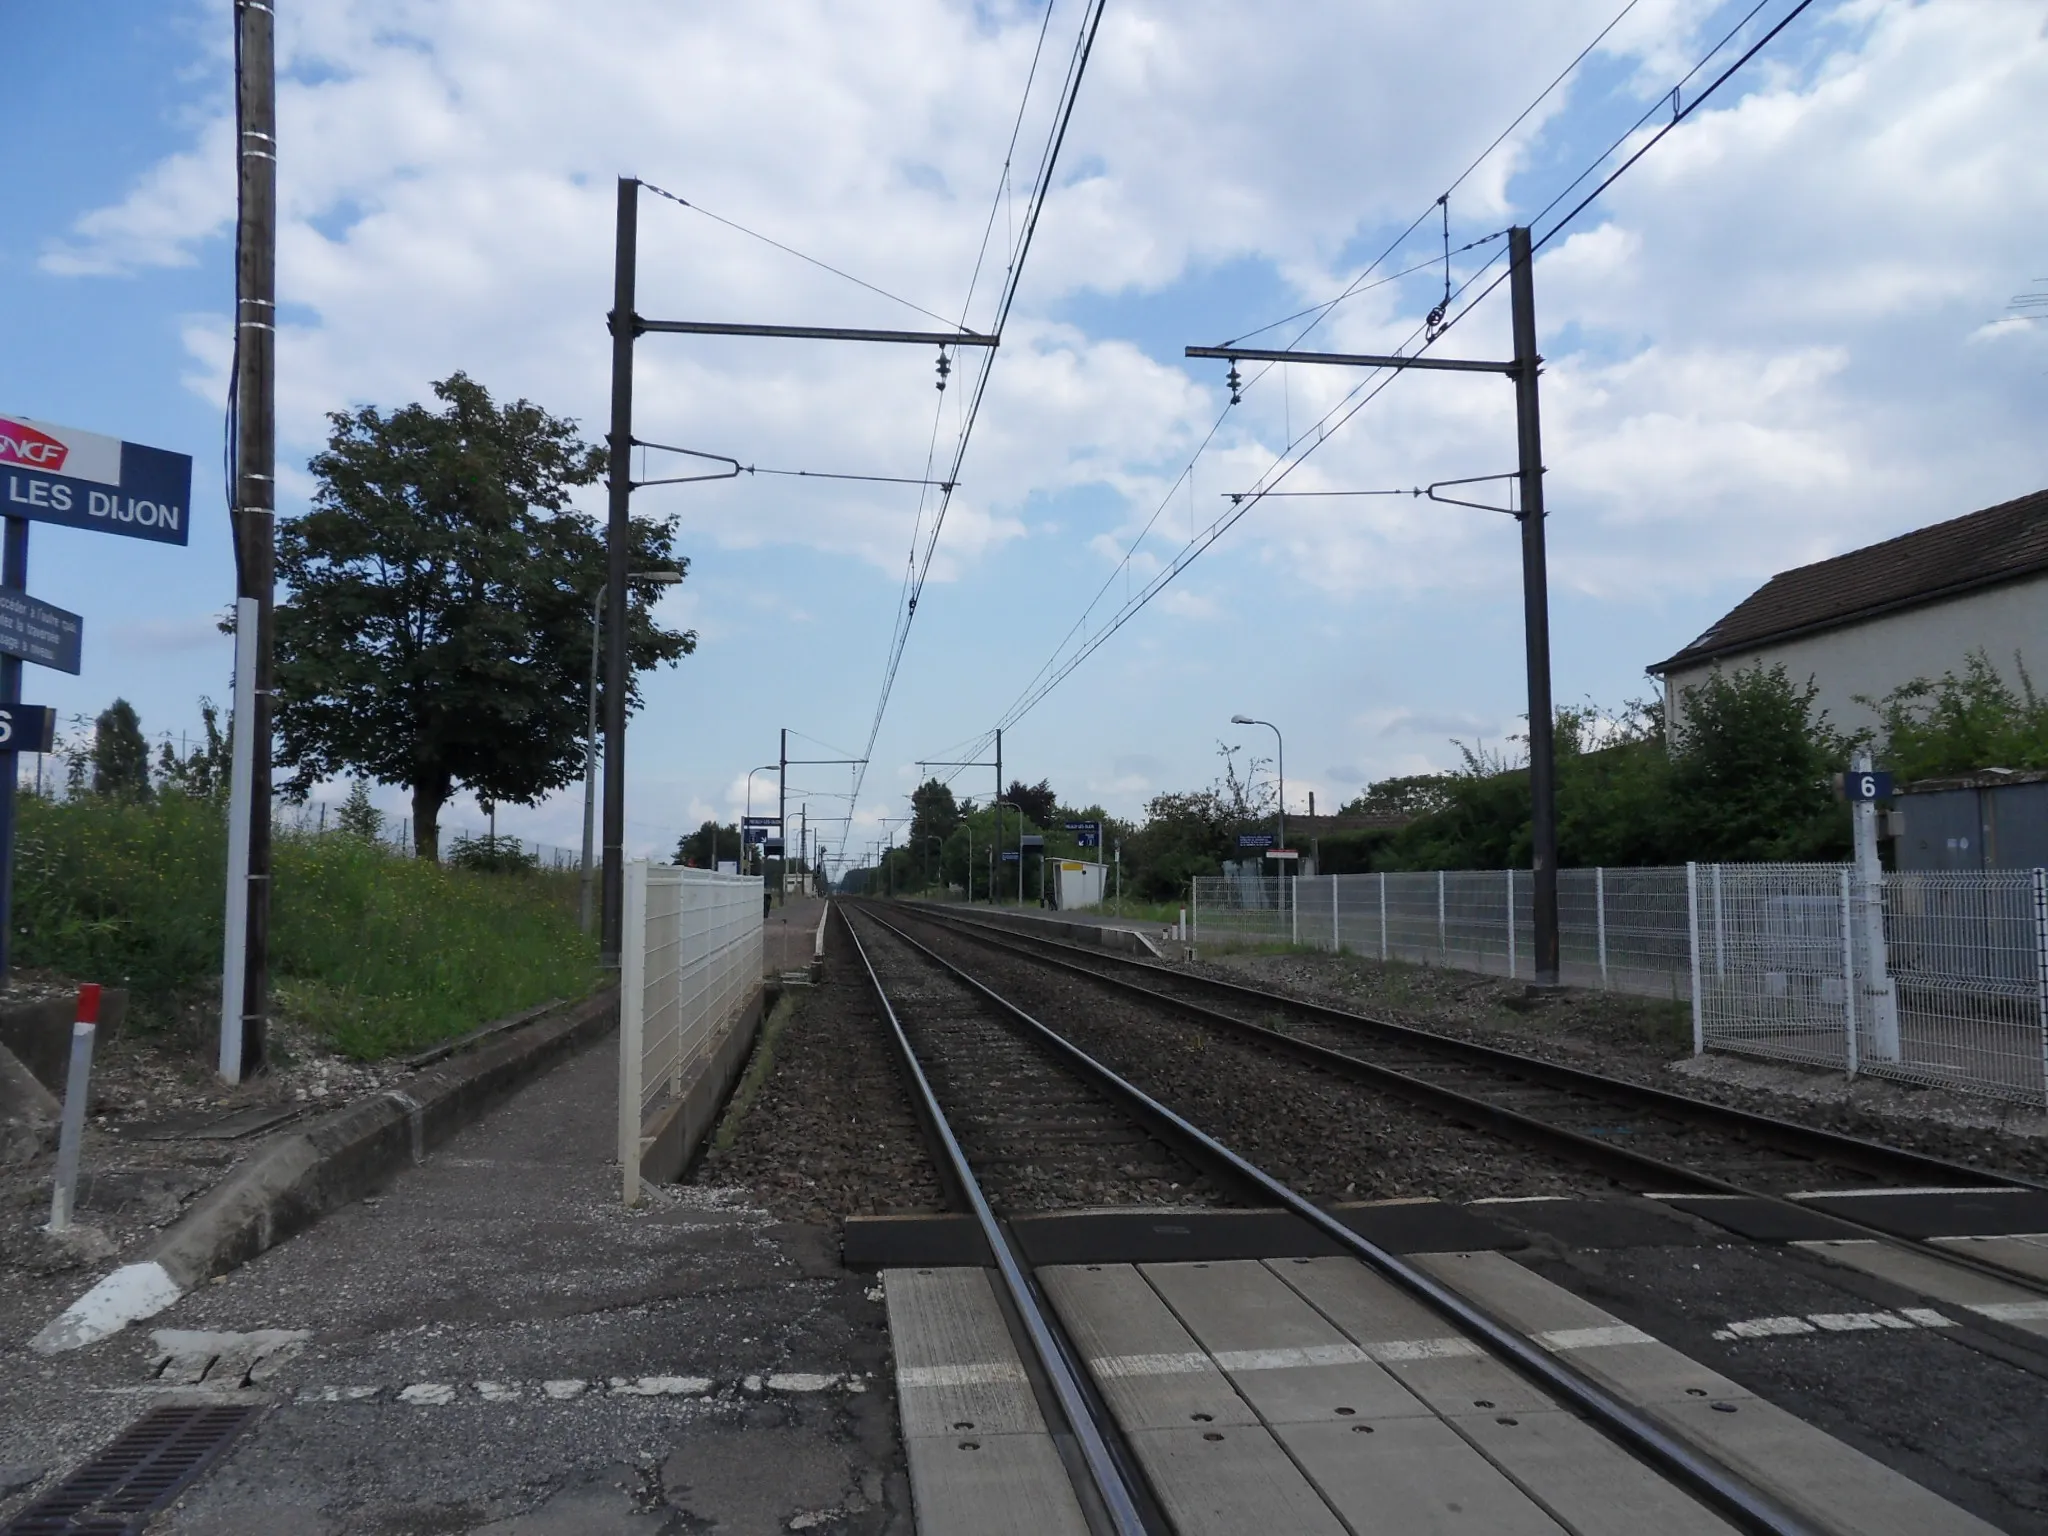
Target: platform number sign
(1087, 834)
(27, 728)
(1861, 786)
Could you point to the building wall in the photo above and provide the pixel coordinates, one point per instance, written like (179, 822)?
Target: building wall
(1876, 656)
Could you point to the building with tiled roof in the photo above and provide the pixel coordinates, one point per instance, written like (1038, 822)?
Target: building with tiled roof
(1861, 624)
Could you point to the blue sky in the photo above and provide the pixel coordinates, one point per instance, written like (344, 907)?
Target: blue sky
(1783, 334)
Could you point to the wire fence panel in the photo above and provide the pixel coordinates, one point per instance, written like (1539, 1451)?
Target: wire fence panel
(689, 966)
(1938, 978)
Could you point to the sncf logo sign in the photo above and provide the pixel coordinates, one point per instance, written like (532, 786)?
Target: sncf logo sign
(23, 444)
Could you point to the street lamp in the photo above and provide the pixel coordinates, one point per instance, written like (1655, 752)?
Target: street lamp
(1280, 748)
(660, 578)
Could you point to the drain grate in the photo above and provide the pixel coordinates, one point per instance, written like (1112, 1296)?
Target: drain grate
(148, 1464)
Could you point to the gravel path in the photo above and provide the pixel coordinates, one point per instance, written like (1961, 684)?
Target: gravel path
(829, 1132)
(1313, 1131)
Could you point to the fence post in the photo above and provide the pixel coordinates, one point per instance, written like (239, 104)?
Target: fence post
(1692, 929)
(1442, 950)
(1384, 954)
(1291, 889)
(1600, 918)
(1720, 942)
(1336, 933)
(77, 1094)
(1848, 975)
(2041, 969)
(1511, 924)
(632, 1019)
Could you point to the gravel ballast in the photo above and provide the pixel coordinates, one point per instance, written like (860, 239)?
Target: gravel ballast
(829, 1132)
(1310, 1129)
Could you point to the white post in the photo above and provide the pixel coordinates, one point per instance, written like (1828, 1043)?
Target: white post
(1442, 950)
(1384, 954)
(1720, 941)
(1849, 976)
(1883, 994)
(1600, 917)
(1336, 933)
(1692, 928)
(2041, 969)
(1511, 924)
(77, 1091)
(632, 1021)
(241, 778)
(1291, 889)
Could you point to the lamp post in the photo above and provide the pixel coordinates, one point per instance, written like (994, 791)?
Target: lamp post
(1280, 750)
(661, 578)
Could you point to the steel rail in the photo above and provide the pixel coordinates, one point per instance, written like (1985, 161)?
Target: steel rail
(1591, 1149)
(1873, 1157)
(1723, 1489)
(1117, 1502)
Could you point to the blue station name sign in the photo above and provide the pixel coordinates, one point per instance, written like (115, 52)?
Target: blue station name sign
(81, 479)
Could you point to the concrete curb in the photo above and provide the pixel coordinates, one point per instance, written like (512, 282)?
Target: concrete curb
(329, 1163)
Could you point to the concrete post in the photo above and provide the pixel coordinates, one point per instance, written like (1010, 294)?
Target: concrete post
(77, 1091)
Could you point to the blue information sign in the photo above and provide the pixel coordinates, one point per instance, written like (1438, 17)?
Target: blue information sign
(1087, 834)
(39, 632)
(754, 834)
(1011, 855)
(1254, 839)
(760, 821)
(27, 728)
(55, 474)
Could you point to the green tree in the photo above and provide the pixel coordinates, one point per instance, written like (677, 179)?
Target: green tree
(357, 817)
(202, 770)
(120, 757)
(934, 817)
(437, 633)
(1963, 724)
(1037, 801)
(695, 849)
(1752, 766)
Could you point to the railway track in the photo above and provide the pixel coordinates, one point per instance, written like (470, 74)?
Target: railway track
(1012, 1110)
(1646, 1139)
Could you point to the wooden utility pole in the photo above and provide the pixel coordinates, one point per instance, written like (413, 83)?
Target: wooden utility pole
(245, 975)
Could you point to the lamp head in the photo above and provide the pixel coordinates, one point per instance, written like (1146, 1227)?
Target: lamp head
(661, 578)
(1242, 720)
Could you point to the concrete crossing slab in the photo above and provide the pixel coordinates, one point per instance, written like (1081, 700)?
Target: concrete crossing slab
(1414, 1477)
(1287, 1360)
(1148, 1368)
(981, 1460)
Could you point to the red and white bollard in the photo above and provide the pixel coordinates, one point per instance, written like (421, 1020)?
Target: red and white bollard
(77, 1090)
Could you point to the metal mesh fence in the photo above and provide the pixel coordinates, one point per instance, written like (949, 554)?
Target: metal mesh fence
(689, 963)
(1619, 928)
(1937, 978)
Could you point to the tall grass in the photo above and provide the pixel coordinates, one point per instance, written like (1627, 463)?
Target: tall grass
(378, 953)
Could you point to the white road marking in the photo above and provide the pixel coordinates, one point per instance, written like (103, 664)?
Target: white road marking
(990, 1373)
(1189, 1364)
(1387, 1351)
(337, 1394)
(1288, 1359)
(660, 1386)
(799, 1381)
(434, 1394)
(1905, 1319)
(564, 1391)
(1857, 1322)
(499, 1391)
(1857, 1194)
(1764, 1328)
